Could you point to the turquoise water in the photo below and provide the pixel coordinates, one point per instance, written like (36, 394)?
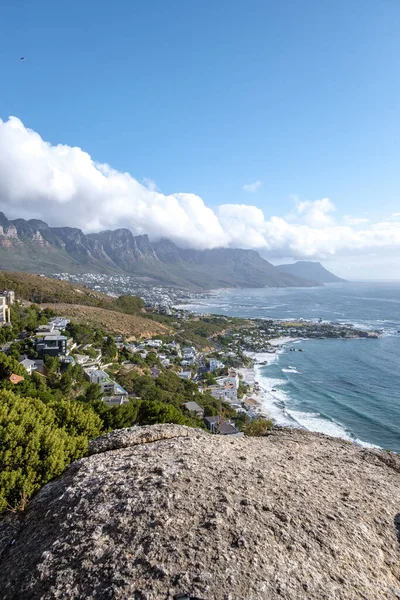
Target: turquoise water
(348, 388)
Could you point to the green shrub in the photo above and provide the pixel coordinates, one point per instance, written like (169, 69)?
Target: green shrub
(38, 441)
(258, 427)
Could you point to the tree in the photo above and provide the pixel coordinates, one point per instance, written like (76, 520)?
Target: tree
(151, 412)
(109, 349)
(66, 382)
(8, 365)
(122, 416)
(78, 420)
(242, 389)
(37, 442)
(93, 392)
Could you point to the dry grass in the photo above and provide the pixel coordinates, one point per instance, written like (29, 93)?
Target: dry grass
(132, 327)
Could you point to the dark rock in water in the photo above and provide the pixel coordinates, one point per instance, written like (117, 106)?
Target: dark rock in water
(165, 510)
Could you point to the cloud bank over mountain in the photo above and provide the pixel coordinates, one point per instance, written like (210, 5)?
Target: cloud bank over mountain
(64, 185)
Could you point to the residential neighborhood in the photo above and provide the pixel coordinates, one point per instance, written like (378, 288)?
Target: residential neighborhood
(217, 367)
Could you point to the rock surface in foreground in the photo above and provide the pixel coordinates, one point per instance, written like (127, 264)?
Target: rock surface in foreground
(165, 509)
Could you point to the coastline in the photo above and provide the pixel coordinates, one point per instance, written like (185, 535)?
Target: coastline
(274, 401)
(267, 393)
(336, 386)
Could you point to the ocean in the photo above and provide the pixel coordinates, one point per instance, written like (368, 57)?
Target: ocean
(345, 388)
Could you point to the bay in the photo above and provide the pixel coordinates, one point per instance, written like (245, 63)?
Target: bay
(347, 388)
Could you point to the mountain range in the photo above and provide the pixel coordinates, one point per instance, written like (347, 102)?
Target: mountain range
(33, 246)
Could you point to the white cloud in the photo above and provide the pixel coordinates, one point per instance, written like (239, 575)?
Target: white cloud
(252, 187)
(349, 220)
(64, 186)
(150, 184)
(316, 214)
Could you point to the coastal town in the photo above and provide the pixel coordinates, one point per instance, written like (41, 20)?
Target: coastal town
(162, 297)
(219, 366)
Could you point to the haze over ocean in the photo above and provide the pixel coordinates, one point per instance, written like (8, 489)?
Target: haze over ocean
(347, 388)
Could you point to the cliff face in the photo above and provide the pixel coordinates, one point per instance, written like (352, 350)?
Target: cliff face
(35, 247)
(157, 511)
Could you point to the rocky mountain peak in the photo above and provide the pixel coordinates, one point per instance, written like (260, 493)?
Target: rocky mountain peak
(34, 246)
(163, 510)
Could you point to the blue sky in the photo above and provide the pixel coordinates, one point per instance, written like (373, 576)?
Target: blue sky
(206, 97)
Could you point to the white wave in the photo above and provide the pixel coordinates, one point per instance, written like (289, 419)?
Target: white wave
(273, 397)
(290, 370)
(319, 424)
(365, 444)
(262, 358)
(276, 402)
(315, 422)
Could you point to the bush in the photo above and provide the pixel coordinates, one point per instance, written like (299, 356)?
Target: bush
(38, 441)
(258, 427)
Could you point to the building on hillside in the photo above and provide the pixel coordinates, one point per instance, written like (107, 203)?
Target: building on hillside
(218, 425)
(185, 375)
(81, 359)
(233, 378)
(216, 391)
(28, 364)
(195, 408)
(52, 344)
(67, 360)
(115, 400)
(215, 364)
(223, 391)
(108, 386)
(49, 328)
(9, 295)
(5, 316)
(189, 353)
(187, 362)
(59, 322)
(154, 343)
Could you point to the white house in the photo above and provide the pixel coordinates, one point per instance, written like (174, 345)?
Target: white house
(189, 353)
(154, 343)
(215, 364)
(29, 365)
(4, 311)
(108, 386)
(185, 375)
(59, 322)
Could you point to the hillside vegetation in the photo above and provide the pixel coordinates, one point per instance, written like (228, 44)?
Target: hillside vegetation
(38, 289)
(130, 326)
(85, 305)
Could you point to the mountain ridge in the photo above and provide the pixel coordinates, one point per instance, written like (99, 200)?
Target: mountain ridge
(310, 270)
(34, 246)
